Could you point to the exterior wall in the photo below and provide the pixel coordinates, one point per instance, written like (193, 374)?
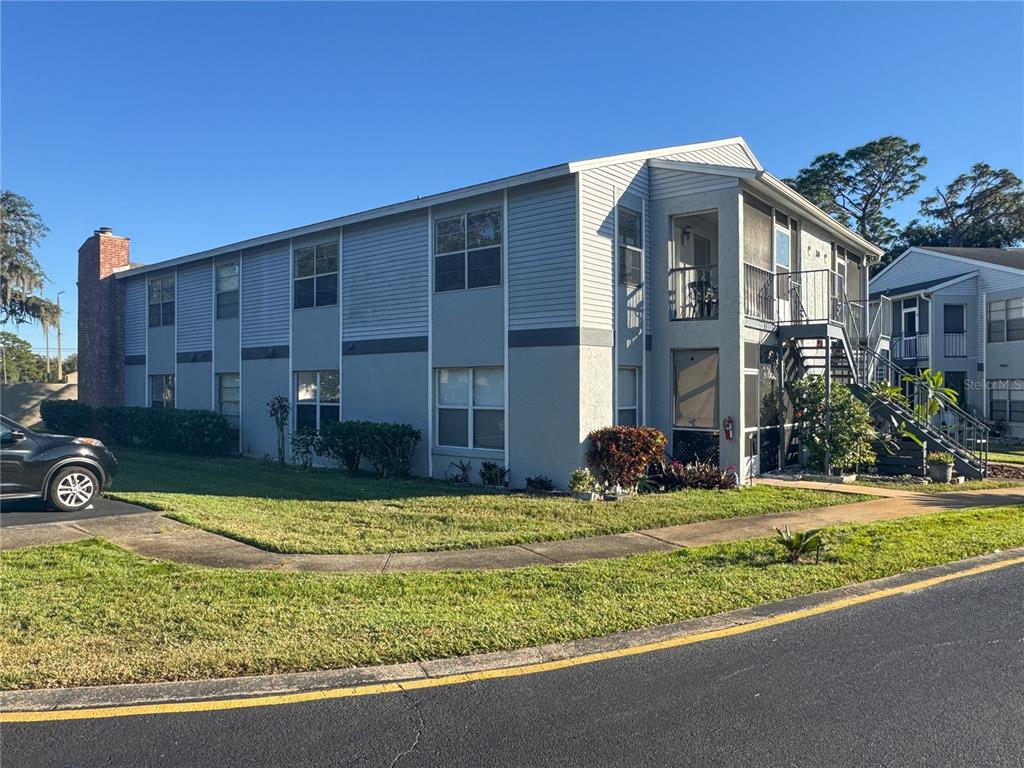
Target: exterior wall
(723, 333)
(315, 339)
(161, 357)
(261, 380)
(136, 386)
(193, 386)
(265, 298)
(101, 304)
(194, 307)
(388, 387)
(226, 346)
(963, 293)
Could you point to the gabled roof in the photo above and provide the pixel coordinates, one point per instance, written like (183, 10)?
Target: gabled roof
(1003, 257)
(939, 282)
(725, 156)
(997, 258)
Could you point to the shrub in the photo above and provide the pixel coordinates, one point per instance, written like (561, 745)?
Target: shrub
(697, 474)
(582, 480)
(461, 473)
(389, 448)
(280, 410)
(800, 544)
(68, 417)
(940, 458)
(540, 484)
(846, 442)
(345, 442)
(303, 442)
(167, 429)
(620, 455)
(493, 474)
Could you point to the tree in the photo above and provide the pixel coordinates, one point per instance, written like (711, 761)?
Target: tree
(983, 208)
(70, 363)
(19, 362)
(20, 274)
(858, 188)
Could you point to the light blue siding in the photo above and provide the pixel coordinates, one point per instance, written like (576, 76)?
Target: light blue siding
(265, 302)
(194, 316)
(917, 267)
(542, 255)
(666, 183)
(135, 317)
(385, 278)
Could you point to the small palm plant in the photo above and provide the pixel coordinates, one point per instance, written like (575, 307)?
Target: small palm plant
(800, 544)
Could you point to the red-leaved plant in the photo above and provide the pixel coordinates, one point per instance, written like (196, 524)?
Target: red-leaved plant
(620, 455)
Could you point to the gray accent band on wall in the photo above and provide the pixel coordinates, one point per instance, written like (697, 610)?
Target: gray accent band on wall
(265, 353)
(205, 356)
(649, 342)
(135, 360)
(568, 336)
(385, 346)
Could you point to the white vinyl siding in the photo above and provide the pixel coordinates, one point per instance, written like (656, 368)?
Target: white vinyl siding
(195, 310)
(542, 255)
(265, 302)
(666, 183)
(385, 278)
(135, 313)
(725, 154)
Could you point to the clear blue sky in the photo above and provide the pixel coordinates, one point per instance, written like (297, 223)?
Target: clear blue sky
(187, 126)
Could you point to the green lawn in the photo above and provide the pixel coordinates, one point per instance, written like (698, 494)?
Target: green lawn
(284, 509)
(89, 613)
(1008, 454)
(967, 485)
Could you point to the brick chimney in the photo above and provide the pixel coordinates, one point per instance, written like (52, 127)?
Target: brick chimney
(101, 318)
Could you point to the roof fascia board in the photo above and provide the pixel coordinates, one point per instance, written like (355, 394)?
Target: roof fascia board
(933, 288)
(713, 170)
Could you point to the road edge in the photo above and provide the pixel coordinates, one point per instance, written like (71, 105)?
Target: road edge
(265, 690)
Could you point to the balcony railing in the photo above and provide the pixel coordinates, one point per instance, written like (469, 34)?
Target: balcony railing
(955, 344)
(912, 347)
(758, 293)
(693, 293)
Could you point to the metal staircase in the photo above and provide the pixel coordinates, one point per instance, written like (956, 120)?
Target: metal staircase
(845, 340)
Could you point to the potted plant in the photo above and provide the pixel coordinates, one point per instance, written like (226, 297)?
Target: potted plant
(940, 466)
(583, 484)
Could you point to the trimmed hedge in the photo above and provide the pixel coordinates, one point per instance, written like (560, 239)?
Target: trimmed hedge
(68, 417)
(165, 429)
(388, 447)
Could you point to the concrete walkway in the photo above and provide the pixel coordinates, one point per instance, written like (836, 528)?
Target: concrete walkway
(153, 535)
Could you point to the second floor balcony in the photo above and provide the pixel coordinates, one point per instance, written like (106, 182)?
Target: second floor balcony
(910, 346)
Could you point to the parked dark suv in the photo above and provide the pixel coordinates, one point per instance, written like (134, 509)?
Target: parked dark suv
(68, 472)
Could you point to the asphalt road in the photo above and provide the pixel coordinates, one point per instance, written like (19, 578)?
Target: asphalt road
(933, 678)
(32, 511)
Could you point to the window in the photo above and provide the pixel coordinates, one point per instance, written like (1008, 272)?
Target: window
(161, 388)
(227, 397)
(318, 398)
(467, 250)
(161, 301)
(782, 240)
(631, 247)
(1006, 320)
(953, 318)
(471, 408)
(316, 275)
(227, 291)
(628, 397)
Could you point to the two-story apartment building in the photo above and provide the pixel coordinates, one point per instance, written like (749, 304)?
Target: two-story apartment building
(961, 311)
(676, 287)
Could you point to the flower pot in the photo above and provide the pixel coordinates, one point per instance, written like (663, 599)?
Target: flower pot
(941, 473)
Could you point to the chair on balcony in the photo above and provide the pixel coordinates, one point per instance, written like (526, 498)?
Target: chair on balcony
(702, 300)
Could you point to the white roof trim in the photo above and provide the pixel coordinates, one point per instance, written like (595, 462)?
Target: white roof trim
(713, 170)
(550, 172)
(932, 288)
(975, 264)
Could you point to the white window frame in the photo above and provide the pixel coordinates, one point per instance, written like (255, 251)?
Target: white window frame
(466, 250)
(1006, 319)
(150, 303)
(778, 228)
(635, 408)
(165, 403)
(233, 419)
(318, 402)
(635, 251)
(217, 290)
(471, 407)
(316, 276)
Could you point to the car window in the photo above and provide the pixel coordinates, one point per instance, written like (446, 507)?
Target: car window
(5, 432)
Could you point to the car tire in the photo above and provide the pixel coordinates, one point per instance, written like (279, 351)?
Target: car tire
(73, 488)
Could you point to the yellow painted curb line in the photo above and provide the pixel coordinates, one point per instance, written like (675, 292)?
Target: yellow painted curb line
(490, 674)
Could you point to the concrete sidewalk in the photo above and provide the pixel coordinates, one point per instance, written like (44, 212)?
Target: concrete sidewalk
(153, 535)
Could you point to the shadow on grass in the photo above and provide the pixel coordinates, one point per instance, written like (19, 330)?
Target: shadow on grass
(153, 472)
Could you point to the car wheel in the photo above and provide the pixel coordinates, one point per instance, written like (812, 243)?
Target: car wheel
(73, 488)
